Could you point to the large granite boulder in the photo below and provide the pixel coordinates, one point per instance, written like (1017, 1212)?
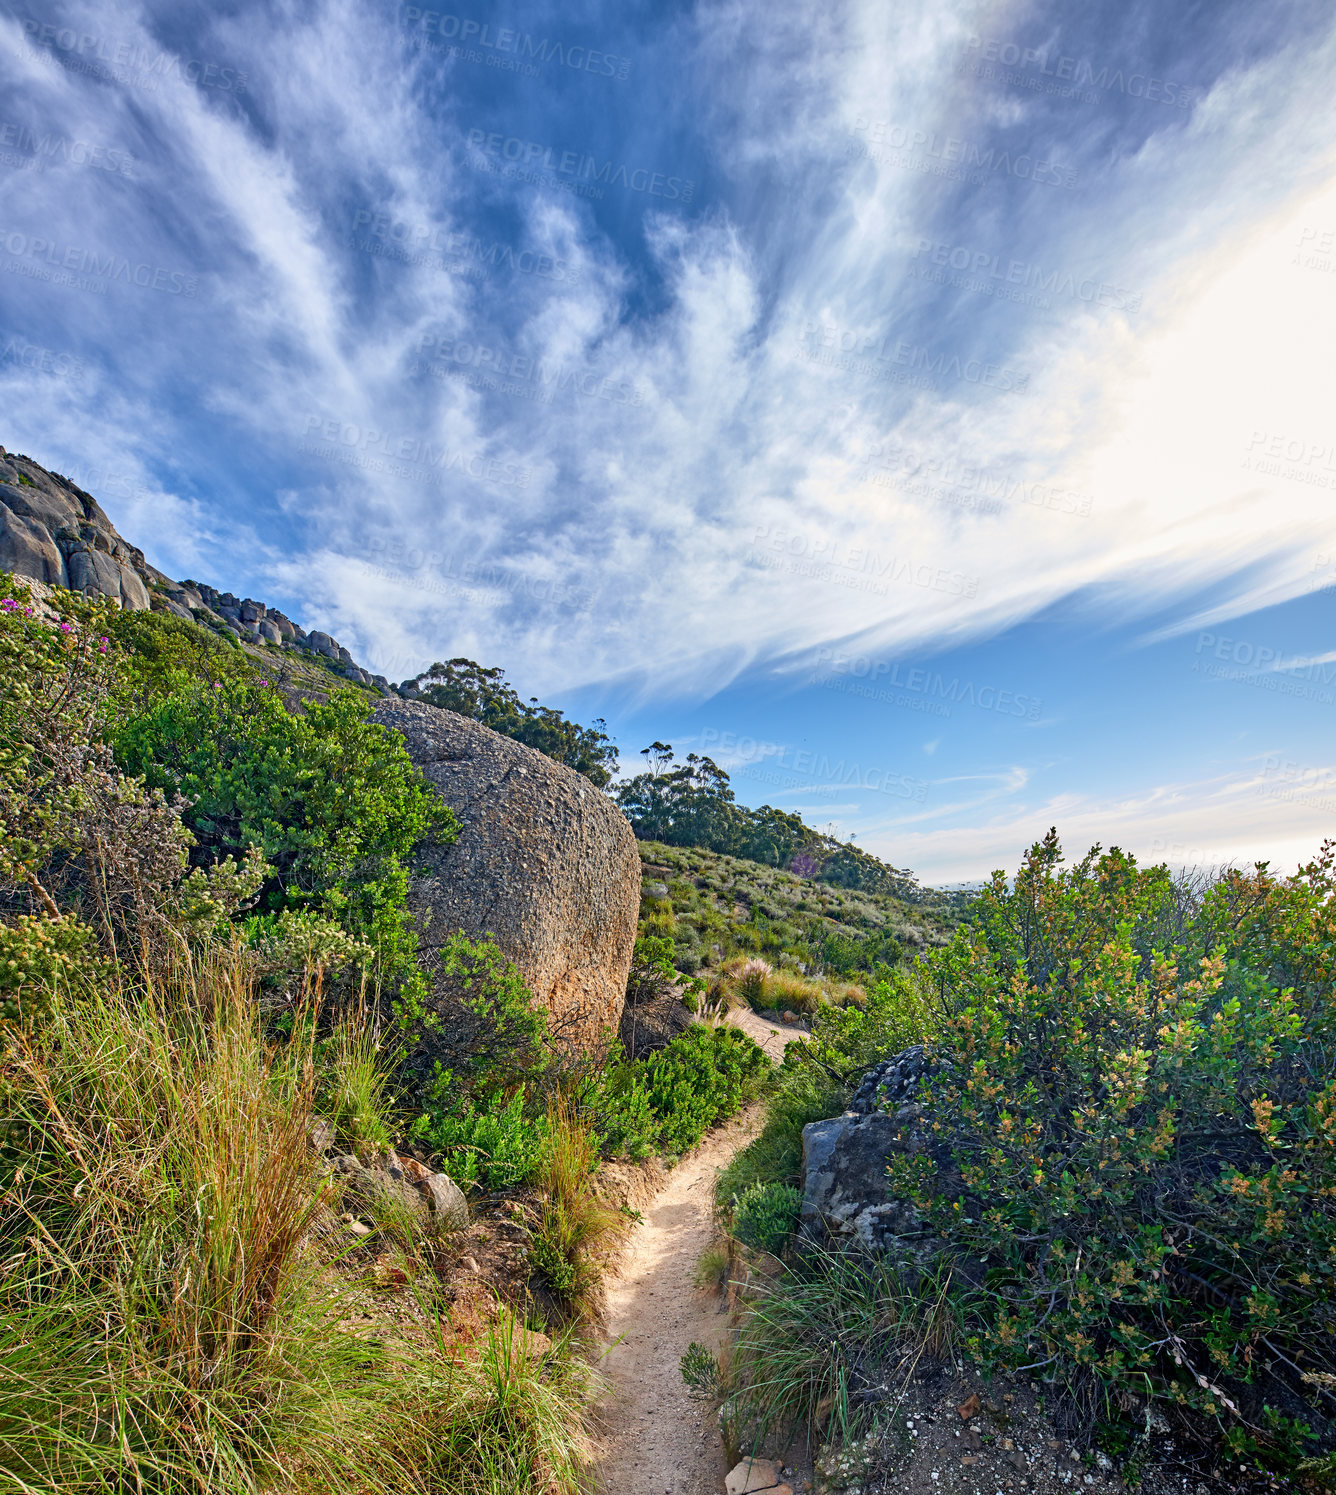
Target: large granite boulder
(544, 862)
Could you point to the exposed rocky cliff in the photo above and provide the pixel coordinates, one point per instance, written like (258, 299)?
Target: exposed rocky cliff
(53, 532)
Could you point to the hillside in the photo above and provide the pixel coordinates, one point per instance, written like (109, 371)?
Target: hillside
(715, 906)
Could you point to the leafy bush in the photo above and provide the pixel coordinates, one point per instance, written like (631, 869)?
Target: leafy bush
(478, 1028)
(653, 973)
(666, 1102)
(40, 954)
(83, 847)
(704, 1074)
(161, 654)
(764, 1215)
(623, 1116)
(472, 1053)
(484, 1139)
(330, 799)
(1142, 1106)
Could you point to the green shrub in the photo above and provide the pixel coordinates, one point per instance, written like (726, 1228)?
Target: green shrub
(330, 799)
(1142, 1105)
(703, 1075)
(40, 954)
(485, 1140)
(82, 845)
(765, 1214)
(625, 1121)
(666, 1102)
(477, 1028)
(161, 654)
(652, 972)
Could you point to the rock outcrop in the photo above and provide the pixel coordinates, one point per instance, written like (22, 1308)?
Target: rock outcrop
(543, 862)
(53, 532)
(56, 533)
(845, 1190)
(402, 1185)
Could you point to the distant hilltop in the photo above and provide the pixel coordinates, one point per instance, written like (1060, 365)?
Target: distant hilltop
(53, 532)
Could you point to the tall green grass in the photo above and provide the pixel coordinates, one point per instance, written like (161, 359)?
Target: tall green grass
(171, 1320)
(577, 1233)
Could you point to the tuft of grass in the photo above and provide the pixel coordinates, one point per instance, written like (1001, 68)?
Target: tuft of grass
(700, 1369)
(713, 1269)
(506, 1421)
(351, 1087)
(833, 1326)
(787, 989)
(750, 979)
(577, 1232)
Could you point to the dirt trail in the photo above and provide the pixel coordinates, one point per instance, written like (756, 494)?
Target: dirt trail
(659, 1440)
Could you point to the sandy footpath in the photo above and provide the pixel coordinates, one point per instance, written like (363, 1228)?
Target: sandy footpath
(659, 1440)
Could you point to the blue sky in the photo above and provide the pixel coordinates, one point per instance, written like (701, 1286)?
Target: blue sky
(924, 409)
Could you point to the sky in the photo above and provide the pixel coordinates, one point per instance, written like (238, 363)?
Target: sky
(923, 409)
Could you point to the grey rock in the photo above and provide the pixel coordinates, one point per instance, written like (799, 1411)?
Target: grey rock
(845, 1186)
(94, 571)
(892, 1084)
(322, 644)
(134, 594)
(544, 862)
(656, 892)
(401, 1185)
(269, 632)
(27, 549)
(446, 1201)
(844, 1170)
